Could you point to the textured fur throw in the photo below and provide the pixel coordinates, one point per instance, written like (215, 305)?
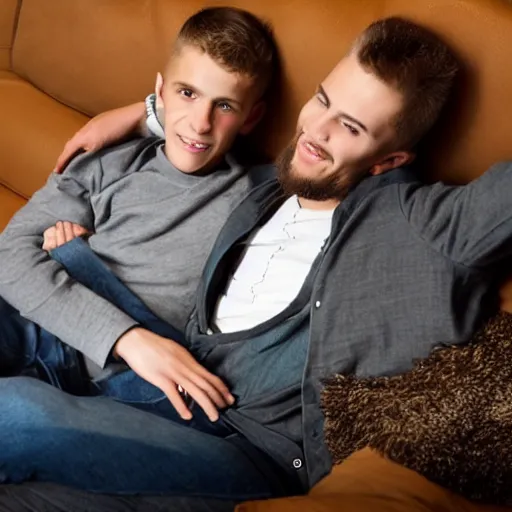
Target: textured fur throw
(449, 418)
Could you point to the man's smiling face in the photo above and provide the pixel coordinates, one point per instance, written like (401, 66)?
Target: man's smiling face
(344, 132)
(205, 107)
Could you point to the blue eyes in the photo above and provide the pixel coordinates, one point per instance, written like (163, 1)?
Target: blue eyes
(191, 95)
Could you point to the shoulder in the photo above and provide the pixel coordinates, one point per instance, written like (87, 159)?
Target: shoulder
(263, 173)
(128, 156)
(383, 187)
(96, 170)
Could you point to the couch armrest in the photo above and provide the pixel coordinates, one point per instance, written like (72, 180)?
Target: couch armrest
(366, 482)
(8, 18)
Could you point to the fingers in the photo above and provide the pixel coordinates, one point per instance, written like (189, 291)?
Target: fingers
(49, 239)
(169, 388)
(60, 234)
(200, 389)
(79, 230)
(72, 230)
(209, 392)
(218, 385)
(68, 231)
(72, 147)
(216, 391)
(202, 399)
(167, 365)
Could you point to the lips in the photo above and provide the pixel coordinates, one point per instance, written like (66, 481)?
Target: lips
(311, 152)
(193, 145)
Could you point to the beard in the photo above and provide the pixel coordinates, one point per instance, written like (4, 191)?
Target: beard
(334, 186)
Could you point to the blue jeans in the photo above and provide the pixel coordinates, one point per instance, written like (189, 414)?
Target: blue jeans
(124, 437)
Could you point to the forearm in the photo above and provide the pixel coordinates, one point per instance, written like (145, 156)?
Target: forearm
(135, 119)
(43, 292)
(39, 287)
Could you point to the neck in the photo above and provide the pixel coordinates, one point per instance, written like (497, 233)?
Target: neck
(310, 204)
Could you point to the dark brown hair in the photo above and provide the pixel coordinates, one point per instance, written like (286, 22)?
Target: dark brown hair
(236, 39)
(414, 61)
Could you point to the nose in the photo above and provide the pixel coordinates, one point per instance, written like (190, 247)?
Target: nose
(317, 127)
(202, 118)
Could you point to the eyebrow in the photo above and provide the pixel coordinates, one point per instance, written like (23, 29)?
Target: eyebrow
(343, 115)
(216, 100)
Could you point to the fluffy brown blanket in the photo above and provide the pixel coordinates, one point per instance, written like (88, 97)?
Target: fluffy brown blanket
(449, 418)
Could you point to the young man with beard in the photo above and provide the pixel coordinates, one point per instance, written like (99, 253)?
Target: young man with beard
(346, 263)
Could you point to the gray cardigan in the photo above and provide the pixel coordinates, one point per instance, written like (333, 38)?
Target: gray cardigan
(407, 267)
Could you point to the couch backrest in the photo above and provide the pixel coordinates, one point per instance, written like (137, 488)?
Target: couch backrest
(8, 18)
(98, 54)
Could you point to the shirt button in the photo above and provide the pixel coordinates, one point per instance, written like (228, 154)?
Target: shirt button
(317, 304)
(209, 332)
(297, 463)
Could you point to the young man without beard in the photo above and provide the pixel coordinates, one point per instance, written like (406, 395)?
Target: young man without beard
(143, 199)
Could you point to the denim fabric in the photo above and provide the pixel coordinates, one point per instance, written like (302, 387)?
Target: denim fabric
(101, 445)
(28, 350)
(107, 442)
(85, 267)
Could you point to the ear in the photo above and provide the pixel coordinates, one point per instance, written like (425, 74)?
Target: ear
(392, 161)
(255, 115)
(159, 103)
(159, 86)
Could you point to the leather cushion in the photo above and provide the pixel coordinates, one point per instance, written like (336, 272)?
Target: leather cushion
(33, 131)
(368, 482)
(98, 54)
(9, 204)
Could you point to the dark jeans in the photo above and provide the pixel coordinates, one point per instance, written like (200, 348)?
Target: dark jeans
(122, 435)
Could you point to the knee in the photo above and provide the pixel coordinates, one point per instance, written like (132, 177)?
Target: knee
(24, 400)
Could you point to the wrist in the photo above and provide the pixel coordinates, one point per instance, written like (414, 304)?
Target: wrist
(139, 117)
(123, 343)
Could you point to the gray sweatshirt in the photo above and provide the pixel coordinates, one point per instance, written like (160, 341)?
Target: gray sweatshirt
(153, 226)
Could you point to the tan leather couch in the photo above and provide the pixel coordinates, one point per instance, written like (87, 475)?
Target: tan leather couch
(64, 60)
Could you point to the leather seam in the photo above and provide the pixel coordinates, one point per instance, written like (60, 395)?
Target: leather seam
(14, 31)
(13, 189)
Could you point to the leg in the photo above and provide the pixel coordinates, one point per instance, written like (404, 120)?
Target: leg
(19, 339)
(44, 497)
(100, 445)
(26, 349)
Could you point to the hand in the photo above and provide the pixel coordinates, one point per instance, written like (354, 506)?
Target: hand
(101, 131)
(62, 233)
(167, 365)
